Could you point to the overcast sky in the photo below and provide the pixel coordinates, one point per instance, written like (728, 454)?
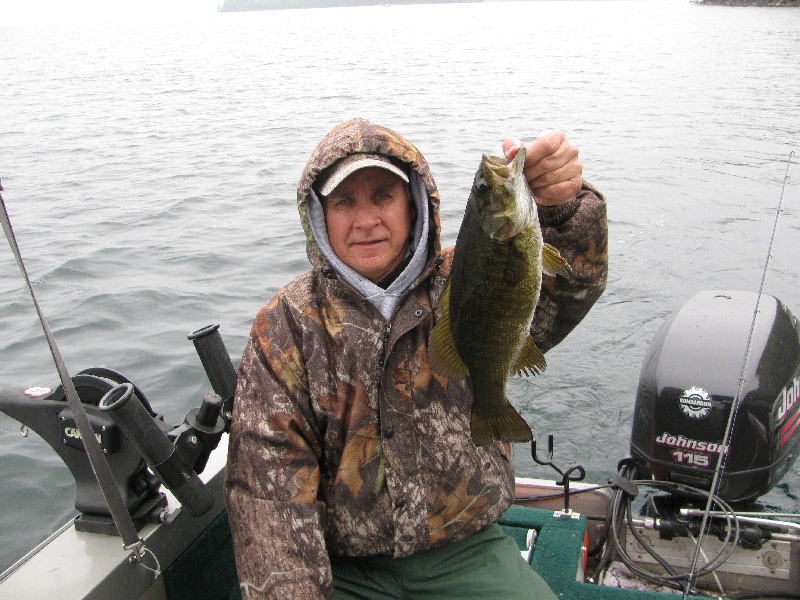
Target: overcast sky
(16, 12)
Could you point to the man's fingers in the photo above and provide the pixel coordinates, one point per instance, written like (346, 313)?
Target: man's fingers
(552, 167)
(548, 143)
(548, 156)
(511, 147)
(553, 170)
(559, 193)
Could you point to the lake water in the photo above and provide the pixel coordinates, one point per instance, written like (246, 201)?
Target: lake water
(150, 169)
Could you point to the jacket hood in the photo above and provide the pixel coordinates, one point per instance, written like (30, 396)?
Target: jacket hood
(363, 136)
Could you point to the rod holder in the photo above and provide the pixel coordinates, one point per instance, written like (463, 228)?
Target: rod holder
(158, 452)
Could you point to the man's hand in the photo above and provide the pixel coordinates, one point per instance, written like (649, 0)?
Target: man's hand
(552, 167)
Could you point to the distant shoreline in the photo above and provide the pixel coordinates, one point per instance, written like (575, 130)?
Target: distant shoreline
(778, 3)
(248, 5)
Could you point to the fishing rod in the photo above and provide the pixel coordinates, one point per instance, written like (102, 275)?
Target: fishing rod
(715, 482)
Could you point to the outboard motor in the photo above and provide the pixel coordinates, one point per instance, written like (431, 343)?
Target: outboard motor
(712, 355)
(687, 387)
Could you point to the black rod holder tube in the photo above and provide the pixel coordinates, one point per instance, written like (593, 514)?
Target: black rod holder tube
(154, 445)
(216, 360)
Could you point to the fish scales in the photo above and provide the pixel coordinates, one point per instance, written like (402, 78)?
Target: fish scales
(486, 310)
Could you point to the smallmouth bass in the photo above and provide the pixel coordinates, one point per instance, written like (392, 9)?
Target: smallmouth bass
(486, 309)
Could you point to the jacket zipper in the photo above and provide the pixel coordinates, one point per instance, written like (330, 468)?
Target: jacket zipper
(386, 334)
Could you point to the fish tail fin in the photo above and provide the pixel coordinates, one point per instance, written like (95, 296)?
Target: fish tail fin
(507, 425)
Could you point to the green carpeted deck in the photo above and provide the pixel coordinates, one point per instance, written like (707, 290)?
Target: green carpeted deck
(558, 548)
(206, 570)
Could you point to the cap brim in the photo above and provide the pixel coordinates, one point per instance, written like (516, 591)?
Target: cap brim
(346, 169)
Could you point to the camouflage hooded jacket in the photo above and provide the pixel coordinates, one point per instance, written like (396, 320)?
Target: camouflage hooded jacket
(344, 441)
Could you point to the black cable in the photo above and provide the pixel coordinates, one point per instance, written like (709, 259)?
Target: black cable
(608, 549)
(626, 559)
(643, 543)
(729, 545)
(622, 503)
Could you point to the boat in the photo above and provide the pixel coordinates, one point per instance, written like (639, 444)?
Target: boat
(634, 538)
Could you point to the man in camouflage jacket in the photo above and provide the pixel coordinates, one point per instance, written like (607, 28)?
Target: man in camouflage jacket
(344, 442)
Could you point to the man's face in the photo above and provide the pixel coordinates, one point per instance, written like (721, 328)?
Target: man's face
(369, 220)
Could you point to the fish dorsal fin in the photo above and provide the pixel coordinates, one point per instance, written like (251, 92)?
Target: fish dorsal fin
(553, 263)
(442, 350)
(530, 361)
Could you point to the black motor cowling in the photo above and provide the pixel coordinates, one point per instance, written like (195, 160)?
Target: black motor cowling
(687, 388)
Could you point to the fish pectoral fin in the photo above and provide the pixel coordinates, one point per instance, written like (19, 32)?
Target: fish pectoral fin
(443, 353)
(442, 350)
(553, 263)
(507, 425)
(530, 361)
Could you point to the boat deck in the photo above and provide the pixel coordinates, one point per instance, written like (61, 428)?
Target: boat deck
(206, 569)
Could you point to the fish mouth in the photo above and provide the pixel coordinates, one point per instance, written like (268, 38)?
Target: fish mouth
(504, 205)
(499, 169)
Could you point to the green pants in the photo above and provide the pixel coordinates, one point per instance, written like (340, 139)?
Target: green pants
(486, 565)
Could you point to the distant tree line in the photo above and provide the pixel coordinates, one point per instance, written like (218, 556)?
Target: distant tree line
(750, 2)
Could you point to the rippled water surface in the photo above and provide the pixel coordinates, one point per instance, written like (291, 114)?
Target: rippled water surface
(150, 170)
